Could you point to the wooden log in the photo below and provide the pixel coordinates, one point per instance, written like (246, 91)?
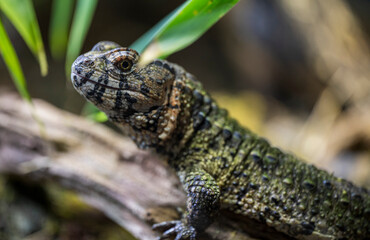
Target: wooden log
(132, 187)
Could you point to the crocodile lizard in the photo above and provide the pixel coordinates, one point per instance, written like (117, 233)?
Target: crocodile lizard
(219, 163)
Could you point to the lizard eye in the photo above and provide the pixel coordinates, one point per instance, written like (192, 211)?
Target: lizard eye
(125, 65)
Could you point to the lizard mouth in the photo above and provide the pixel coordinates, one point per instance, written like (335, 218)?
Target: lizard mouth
(84, 79)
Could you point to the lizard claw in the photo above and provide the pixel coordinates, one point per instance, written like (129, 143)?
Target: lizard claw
(179, 228)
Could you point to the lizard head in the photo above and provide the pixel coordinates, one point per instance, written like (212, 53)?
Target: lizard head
(131, 95)
(110, 78)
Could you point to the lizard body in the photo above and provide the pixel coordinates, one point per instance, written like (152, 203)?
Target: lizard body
(220, 164)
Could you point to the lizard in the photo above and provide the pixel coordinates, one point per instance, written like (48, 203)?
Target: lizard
(220, 164)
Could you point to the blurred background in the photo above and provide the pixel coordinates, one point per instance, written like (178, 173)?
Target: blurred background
(296, 72)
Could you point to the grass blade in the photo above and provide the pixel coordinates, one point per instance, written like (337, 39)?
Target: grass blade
(59, 26)
(140, 44)
(12, 62)
(182, 27)
(93, 113)
(81, 22)
(22, 15)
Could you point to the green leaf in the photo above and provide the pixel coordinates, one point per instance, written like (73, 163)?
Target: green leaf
(81, 22)
(182, 27)
(140, 44)
(93, 113)
(59, 26)
(22, 15)
(12, 62)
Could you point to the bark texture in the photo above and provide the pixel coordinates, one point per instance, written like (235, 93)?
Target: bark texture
(132, 187)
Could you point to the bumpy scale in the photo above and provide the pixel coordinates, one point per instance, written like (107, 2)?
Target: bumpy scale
(220, 164)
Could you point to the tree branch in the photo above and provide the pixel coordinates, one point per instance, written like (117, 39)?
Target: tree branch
(132, 187)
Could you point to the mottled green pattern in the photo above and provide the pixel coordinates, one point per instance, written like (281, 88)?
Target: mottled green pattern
(220, 163)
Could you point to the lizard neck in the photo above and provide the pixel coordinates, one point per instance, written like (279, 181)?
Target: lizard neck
(167, 128)
(195, 106)
(177, 121)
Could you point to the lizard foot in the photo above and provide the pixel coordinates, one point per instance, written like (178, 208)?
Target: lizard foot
(178, 228)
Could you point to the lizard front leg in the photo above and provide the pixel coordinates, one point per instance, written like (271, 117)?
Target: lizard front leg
(203, 203)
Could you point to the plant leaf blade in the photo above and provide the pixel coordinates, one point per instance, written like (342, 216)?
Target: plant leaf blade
(183, 26)
(22, 15)
(81, 22)
(12, 62)
(59, 26)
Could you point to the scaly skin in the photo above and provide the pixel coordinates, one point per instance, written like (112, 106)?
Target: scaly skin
(220, 164)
